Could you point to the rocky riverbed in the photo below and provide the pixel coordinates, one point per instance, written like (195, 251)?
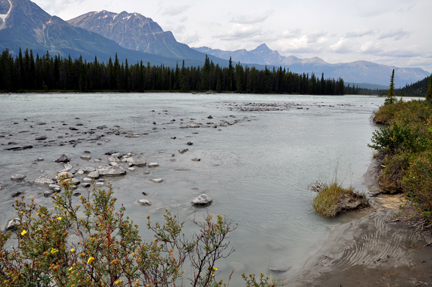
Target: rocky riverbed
(248, 157)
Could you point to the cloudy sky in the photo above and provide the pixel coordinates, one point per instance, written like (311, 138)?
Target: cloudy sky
(391, 32)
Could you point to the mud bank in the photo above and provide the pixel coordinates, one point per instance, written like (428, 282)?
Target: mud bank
(375, 250)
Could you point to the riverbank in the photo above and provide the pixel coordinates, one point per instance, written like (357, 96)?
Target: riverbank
(375, 250)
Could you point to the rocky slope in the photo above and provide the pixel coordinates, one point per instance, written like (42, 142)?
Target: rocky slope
(135, 32)
(23, 24)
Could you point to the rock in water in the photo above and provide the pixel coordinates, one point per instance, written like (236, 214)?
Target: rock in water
(157, 180)
(43, 180)
(137, 161)
(144, 202)
(112, 171)
(153, 164)
(18, 177)
(85, 157)
(64, 158)
(41, 138)
(12, 224)
(202, 200)
(93, 174)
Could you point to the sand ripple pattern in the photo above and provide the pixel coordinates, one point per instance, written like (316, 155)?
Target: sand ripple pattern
(373, 241)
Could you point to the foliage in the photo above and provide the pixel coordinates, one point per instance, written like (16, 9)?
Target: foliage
(102, 247)
(393, 172)
(328, 197)
(25, 72)
(263, 281)
(406, 144)
(417, 183)
(429, 91)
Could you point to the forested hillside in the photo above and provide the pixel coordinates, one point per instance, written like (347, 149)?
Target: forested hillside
(27, 72)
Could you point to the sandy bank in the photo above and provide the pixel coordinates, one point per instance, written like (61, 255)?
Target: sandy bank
(374, 250)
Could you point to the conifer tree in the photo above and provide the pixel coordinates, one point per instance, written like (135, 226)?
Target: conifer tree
(429, 91)
(391, 92)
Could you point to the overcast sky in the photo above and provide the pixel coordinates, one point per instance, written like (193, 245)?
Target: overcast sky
(391, 32)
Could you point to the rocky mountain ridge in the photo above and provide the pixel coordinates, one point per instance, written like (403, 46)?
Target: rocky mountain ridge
(354, 72)
(135, 32)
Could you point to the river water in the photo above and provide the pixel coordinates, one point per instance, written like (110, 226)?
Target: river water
(256, 164)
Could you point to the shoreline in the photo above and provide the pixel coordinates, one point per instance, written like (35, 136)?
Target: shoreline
(375, 250)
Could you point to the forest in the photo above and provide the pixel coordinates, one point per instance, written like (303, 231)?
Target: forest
(27, 72)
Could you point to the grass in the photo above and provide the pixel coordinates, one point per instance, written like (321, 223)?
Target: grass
(328, 197)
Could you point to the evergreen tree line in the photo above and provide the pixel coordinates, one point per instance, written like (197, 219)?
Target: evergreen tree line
(26, 72)
(418, 89)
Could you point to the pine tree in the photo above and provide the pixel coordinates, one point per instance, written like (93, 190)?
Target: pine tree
(391, 93)
(429, 91)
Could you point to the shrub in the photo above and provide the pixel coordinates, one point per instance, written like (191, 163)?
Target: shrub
(394, 169)
(417, 183)
(329, 196)
(108, 250)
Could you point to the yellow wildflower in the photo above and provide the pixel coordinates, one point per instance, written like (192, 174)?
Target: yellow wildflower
(72, 250)
(214, 268)
(118, 282)
(23, 232)
(90, 260)
(59, 218)
(54, 251)
(70, 269)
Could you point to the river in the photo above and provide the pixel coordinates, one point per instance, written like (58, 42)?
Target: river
(256, 164)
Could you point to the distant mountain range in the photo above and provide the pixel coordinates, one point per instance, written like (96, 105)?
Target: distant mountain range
(23, 24)
(355, 72)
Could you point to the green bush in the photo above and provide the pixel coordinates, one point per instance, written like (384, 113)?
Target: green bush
(107, 250)
(392, 174)
(417, 183)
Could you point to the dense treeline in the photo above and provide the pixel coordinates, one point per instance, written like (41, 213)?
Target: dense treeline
(27, 72)
(417, 89)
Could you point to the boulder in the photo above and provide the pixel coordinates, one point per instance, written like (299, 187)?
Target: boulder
(157, 180)
(64, 158)
(43, 180)
(137, 161)
(12, 224)
(202, 200)
(182, 151)
(55, 187)
(48, 193)
(112, 171)
(64, 174)
(350, 202)
(85, 157)
(67, 167)
(144, 202)
(88, 169)
(153, 164)
(86, 185)
(93, 174)
(18, 177)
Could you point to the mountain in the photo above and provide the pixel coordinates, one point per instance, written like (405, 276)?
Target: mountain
(355, 72)
(135, 32)
(23, 24)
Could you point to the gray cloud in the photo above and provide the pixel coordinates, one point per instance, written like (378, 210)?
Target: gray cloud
(314, 37)
(175, 10)
(292, 33)
(240, 32)
(251, 19)
(395, 34)
(357, 34)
